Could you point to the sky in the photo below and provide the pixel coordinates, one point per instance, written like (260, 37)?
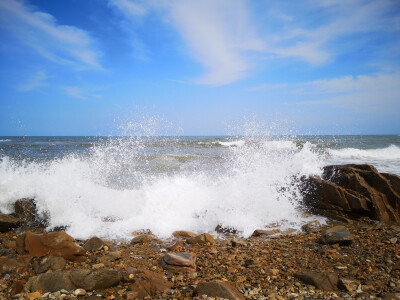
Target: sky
(189, 67)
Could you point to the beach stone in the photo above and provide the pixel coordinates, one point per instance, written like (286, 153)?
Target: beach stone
(220, 289)
(11, 265)
(337, 235)
(50, 282)
(321, 280)
(177, 247)
(144, 238)
(226, 230)
(93, 244)
(149, 284)
(8, 222)
(179, 262)
(183, 234)
(261, 232)
(204, 238)
(348, 285)
(110, 256)
(311, 227)
(50, 244)
(79, 292)
(71, 280)
(53, 263)
(17, 287)
(353, 191)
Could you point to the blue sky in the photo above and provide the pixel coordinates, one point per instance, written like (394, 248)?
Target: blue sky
(306, 67)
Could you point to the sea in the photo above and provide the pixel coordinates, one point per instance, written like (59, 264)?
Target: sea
(112, 186)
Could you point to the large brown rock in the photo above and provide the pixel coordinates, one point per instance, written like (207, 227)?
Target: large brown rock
(50, 244)
(179, 262)
(204, 238)
(221, 289)
(353, 191)
(69, 280)
(321, 280)
(149, 284)
(337, 235)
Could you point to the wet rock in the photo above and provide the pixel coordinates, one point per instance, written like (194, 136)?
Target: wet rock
(10, 265)
(337, 235)
(261, 232)
(348, 285)
(93, 244)
(311, 227)
(220, 289)
(50, 244)
(53, 263)
(8, 222)
(177, 247)
(26, 210)
(179, 262)
(183, 234)
(204, 238)
(226, 230)
(144, 238)
(354, 191)
(71, 280)
(110, 256)
(321, 280)
(149, 284)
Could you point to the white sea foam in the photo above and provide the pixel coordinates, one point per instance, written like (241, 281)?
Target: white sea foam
(249, 189)
(6, 140)
(239, 143)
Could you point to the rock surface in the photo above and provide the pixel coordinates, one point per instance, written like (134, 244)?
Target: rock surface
(354, 191)
(144, 238)
(313, 226)
(47, 263)
(179, 262)
(8, 222)
(50, 244)
(321, 280)
(220, 289)
(93, 244)
(204, 238)
(337, 235)
(149, 284)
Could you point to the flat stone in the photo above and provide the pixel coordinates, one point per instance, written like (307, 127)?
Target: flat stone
(348, 285)
(144, 238)
(183, 234)
(149, 284)
(110, 256)
(179, 262)
(221, 289)
(261, 232)
(204, 238)
(337, 235)
(321, 280)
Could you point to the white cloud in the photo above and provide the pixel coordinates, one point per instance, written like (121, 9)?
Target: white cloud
(39, 79)
(59, 43)
(75, 92)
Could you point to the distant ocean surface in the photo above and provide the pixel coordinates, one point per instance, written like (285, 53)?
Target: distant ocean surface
(112, 186)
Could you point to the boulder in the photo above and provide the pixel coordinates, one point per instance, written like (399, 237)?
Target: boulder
(221, 289)
(47, 263)
(353, 191)
(321, 280)
(50, 244)
(177, 246)
(179, 262)
(8, 222)
(348, 285)
(204, 238)
(71, 280)
(261, 232)
(93, 244)
(311, 227)
(337, 235)
(144, 238)
(149, 284)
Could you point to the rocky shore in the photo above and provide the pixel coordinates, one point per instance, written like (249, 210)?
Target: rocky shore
(355, 255)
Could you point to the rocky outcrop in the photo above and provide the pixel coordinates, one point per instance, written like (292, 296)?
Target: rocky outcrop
(353, 191)
(26, 210)
(321, 280)
(50, 244)
(8, 222)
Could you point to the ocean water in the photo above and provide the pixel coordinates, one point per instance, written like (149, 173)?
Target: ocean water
(112, 186)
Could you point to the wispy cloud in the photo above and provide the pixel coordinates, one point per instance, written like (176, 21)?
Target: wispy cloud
(75, 91)
(62, 44)
(39, 79)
